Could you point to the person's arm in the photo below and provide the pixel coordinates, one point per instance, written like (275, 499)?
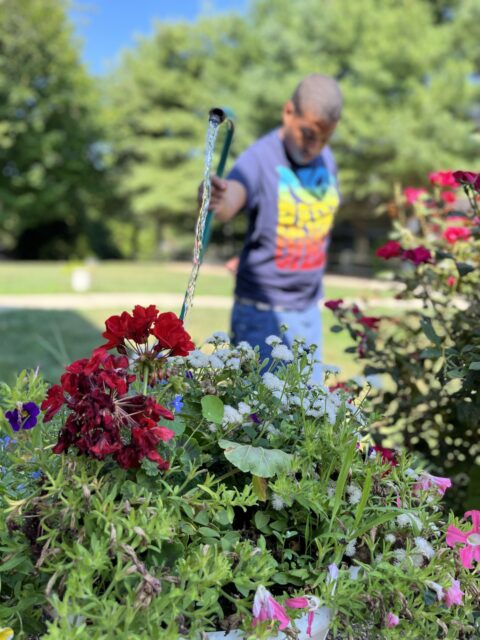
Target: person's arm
(228, 197)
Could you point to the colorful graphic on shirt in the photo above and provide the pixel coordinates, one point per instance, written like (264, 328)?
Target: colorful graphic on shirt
(307, 202)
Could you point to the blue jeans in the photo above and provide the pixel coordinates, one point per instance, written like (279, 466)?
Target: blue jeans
(255, 325)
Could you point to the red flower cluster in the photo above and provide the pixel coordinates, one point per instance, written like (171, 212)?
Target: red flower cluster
(333, 305)
(452, 234)
(104, 419)
(468, 178)
(393, 249)
(133, 331)
(443, 179)
(370, 322)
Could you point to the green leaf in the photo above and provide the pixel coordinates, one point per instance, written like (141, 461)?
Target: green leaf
(177, 425)
(260, 486)
(212, 409)
(464, 268)
(336, 328)
(261, 462)
(261, 519)
(474, 366)
(207, 532)
(429, 331)
(365, 494)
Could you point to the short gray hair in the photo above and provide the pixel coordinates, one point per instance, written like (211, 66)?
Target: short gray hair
(319, 95)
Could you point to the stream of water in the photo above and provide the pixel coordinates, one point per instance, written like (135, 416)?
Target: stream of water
(212, 132)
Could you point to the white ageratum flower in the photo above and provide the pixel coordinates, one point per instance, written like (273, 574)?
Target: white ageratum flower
(330, 369)
(354, 494)
(351, 548)
(231, 416)
(272, 382)
(216, 362)
(331, 487)
(417, 560)
(409, 520)
(282, 352)
(328, 405)
(390, 538)
(273, 340)
(233, 363)
(244, 409)
(424, 547)
(277, 502)
(354, 571)
(399, 555)
(219, 337)
(198, 359)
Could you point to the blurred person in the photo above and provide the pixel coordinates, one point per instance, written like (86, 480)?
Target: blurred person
(287, 184)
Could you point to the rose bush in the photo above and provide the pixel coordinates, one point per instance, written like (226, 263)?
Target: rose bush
(248, 500)
(429, 356)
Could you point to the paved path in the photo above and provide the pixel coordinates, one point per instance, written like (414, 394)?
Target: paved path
(174, 301)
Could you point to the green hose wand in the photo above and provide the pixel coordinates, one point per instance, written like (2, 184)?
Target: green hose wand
(203, 230)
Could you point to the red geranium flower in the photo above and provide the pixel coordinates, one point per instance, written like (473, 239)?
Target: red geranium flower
(370, 321)
(452, 234)
(105, 420)
(465, 177)
(443, 179)
(333, 305)
(127, 328)
(390, 249)
(418, 255)
(171, 335)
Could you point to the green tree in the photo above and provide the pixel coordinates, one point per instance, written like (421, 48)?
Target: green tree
(159, 99)
(52, 166)
(405, 68)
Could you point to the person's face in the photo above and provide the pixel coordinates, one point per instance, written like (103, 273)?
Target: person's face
(304, 134)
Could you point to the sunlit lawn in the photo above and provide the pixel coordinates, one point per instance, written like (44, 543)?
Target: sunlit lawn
(52, 338)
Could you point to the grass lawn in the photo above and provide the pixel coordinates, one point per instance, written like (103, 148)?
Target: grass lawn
(52, 338)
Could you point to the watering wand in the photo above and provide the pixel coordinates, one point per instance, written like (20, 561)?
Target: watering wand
(203, 230)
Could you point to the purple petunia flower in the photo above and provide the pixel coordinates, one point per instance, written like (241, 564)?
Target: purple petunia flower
(24, 417)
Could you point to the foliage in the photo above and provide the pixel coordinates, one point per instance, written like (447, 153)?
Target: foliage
(307, 508)
(53, 180)
(430, 355)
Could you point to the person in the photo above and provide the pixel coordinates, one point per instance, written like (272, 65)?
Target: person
(287, 183)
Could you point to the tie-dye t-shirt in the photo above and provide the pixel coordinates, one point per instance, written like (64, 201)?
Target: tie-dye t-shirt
(291, 210)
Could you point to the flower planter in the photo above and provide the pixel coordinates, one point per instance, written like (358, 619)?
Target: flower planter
(320, 628)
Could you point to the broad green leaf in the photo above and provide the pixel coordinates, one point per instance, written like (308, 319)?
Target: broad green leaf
(212, 409)
(261, 519)
(261, 462)
(177, 425)
(207, 532)
(474, 366)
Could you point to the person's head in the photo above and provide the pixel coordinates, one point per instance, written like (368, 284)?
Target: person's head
(310, 117)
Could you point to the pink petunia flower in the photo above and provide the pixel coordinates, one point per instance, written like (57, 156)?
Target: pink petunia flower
(305, 602)
(470, 539)
(390, 249)
(412, 194)
(418, 255)
(333, 305)
(452, 234)
(391, 620)
(454, 594)
(427, 481)
(266, 608)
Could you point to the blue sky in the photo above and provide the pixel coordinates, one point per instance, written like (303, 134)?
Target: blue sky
(108, 26)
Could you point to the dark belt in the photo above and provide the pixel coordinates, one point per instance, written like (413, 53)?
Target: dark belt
(261, 306)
